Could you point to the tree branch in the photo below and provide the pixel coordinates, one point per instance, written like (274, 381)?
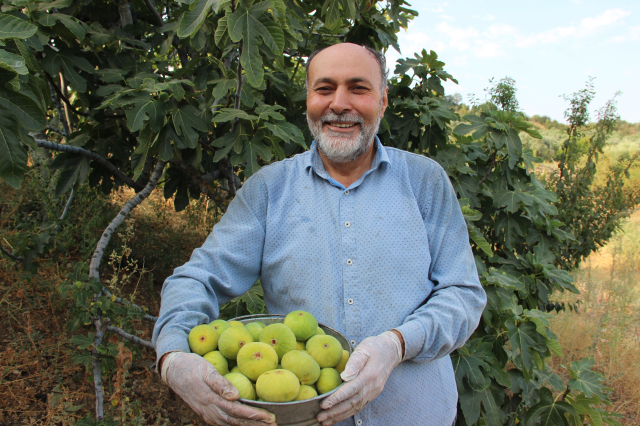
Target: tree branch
(92, 155)
(64, 99)
(94, 271)
(67, 207)
(121, 301)
(97, 379)
(60, 132)
(56, 103)
(493, 164)
(6, 253)
(154, 12)
(130, 337)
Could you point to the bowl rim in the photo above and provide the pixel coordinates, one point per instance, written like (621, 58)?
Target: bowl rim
(284, 404)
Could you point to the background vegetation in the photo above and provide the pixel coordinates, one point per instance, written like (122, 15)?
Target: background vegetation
(102, 102)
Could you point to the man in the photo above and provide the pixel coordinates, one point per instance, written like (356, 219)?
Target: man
(369, 239)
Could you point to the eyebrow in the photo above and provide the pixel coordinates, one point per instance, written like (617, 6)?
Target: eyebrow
(349, 81)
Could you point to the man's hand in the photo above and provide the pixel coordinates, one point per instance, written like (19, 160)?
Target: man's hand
(210, 395)
(366, 373)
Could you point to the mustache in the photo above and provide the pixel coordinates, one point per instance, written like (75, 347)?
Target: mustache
(341, 118)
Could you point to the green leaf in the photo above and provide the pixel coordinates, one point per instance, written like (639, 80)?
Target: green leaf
(504, 280)
(586, 406)
(477, 126)
(254, 149)
(13, 27)
(192, 20)
(77, 27)
(146, 140)
(67, 61)
(222, 87)
(585, 380)
(511, 199)
(548, 412)
(467, 364)
(151, 110)
(228, 114)
(13, 157)
(476, 236)
(525, 339)
(331, 12)
(244, 24)
(287, 132)
(76, 170)
(186, 121)
(24, 109)
(269, 111)
(82, 342)
(16, 62)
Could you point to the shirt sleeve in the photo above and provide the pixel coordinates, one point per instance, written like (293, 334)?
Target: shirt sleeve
(453, 310)
(226, 266)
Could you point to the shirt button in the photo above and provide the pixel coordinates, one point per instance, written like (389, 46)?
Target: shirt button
(353, 343)
(359, 422)
(346, 192)
(349, 262)
(347, 224)
(350, 301)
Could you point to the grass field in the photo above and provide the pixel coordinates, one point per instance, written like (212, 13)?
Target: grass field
(607, 326)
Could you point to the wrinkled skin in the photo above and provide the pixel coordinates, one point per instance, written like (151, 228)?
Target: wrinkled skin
(366, 373)
(210, 395)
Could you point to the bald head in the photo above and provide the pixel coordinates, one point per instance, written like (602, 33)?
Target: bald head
(340, 54)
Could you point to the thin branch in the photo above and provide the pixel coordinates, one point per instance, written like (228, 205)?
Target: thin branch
(6, 253)
(60, 132)
(154, 12)
(295, 71)
(101, 328)
(63, 88)
(64, 99)
(234, 126)
(56, 104)
(121, 301)
(42, 143)
(94, 271)
(130, 337)
(493, 164)
(67, 207)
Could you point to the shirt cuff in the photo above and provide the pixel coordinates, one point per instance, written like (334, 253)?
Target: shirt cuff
(171, 340)
(414, 336)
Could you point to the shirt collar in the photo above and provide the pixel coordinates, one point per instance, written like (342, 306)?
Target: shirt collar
(315, 162)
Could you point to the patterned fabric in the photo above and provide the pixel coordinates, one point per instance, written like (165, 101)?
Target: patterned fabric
(390, 251)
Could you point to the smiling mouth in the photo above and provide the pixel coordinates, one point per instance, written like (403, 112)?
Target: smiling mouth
(341, 125)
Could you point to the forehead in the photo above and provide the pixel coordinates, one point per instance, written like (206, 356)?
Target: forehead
(344, 62)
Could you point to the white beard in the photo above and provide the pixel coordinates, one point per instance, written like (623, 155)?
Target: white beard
(335, 145)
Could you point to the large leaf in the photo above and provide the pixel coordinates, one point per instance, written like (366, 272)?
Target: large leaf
(192, 20)
(585, 380)
(549, 411)
(22, 108)
(186, 121)
(254, 149)
(244, 24)
(13, 157)
(77, 27)
(287, 132)
(525, 339)
(467, 362)
(151, 110)
(16, 62)
(67, 61)
(13, 27)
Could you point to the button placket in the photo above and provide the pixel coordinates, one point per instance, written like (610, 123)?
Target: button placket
(350, 276)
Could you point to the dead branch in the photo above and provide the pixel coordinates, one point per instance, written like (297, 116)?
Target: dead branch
(120, 332)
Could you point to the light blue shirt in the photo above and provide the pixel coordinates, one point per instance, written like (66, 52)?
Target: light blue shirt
(390, 251)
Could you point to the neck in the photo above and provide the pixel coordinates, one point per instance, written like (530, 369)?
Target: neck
(348, 173)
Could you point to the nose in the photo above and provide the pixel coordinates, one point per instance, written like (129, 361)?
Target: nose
(340, 103)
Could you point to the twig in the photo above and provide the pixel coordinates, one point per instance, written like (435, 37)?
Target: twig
(493, 164)
(67, 207)
(6, 253)
(56, 103)
(120, 332)
(60, 132)
(154, 12)
(64, 99)
(121, 301)
(234, 126)
(42, 143)
(63, 89)
(94, 271)
(97, 379)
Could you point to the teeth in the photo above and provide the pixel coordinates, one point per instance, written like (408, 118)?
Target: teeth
(342, 125)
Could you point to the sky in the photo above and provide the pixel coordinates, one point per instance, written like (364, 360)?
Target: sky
(550, 49)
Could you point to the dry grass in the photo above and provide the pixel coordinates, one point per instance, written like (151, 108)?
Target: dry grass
(607, 326)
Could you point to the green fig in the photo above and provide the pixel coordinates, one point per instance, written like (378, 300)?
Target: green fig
(303, 324)
(202, 339)
(232, 339)
(256, 358)
(278, 386)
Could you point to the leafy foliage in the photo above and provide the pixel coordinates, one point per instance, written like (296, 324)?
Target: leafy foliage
(216, 88)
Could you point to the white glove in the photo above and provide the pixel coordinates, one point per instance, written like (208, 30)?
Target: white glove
(366, 373)
(209, 395)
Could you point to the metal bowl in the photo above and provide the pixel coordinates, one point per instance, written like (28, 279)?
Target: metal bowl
(294, 413)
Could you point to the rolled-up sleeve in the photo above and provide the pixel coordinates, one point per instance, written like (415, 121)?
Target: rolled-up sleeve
(453, 310)
(226, 266)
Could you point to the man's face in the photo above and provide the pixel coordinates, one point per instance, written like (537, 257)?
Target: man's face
(344, 102)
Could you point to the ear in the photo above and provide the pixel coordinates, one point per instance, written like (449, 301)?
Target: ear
(385, 101)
